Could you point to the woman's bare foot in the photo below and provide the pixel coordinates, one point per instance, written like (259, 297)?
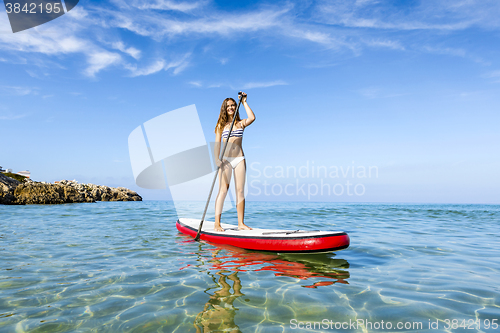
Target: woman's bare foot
(243, 227)
(217, 227)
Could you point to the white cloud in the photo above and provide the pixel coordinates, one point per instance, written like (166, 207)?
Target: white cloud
(447, 50)
(59, 40)
(177, 65)
(248, 85)
(78, 13)
(370, 92)
(318, 37)
(19, 116)
(180, 64)
(335, 25)
(151, 69)
(377, 92)
(10, 116)
(195, 83)
(456, 52)
(252, 85)
(100, 60)
(48, 43)
(160, 5)
(157, 26)
(131, 51)
(494, 75)
(18, 91)
(444, 15)
(167, 5)
(33, 74)
(395, 45)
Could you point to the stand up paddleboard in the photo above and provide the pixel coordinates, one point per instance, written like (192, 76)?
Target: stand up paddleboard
(272, 240)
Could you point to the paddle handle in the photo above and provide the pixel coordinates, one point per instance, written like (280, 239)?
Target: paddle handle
(240, 97)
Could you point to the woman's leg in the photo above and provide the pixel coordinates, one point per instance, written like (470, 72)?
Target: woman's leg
(239, 182)
(224, 180)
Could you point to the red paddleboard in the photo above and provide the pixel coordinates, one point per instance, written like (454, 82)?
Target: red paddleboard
(272, 240)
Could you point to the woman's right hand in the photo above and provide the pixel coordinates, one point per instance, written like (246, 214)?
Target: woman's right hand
(218, 162)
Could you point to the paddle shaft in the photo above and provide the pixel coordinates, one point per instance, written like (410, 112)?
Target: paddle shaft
(197, 238)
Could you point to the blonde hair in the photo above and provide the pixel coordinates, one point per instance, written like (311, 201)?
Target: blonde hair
(223, 117)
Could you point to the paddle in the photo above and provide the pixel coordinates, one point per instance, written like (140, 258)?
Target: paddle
(240, 96)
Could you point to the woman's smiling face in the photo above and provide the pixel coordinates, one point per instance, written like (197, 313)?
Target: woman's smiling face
(230, 107)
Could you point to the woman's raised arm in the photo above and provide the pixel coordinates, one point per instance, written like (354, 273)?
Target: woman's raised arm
(250, 114)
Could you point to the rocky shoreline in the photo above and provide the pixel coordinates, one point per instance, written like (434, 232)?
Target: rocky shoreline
(13, 192)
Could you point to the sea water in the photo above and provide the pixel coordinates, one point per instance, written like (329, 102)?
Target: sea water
(123, 267)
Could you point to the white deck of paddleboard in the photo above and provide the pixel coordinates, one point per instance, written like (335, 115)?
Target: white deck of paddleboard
(230, 229)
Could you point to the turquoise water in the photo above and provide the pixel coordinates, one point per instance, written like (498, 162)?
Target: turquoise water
(123, 267)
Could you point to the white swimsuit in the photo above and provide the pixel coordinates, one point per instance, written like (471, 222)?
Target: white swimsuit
(234, 161)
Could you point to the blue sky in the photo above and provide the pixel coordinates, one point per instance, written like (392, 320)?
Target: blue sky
(409, 87)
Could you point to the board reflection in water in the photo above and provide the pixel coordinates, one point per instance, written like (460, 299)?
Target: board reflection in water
(224, 263)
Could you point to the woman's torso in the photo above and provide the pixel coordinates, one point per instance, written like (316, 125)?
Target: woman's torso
(234, 147)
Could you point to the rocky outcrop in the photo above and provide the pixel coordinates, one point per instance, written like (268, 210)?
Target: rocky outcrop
(44, 193)
(15, 193)
(7, 187)
(103, 193)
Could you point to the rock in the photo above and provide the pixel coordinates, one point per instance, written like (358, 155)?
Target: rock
(96, 193)
(73, 195)
(124, 194)
(39, 193)
(44, 193)
(7, 187)
(13, 192)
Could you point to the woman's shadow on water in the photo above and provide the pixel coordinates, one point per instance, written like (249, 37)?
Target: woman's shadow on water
(219, 312)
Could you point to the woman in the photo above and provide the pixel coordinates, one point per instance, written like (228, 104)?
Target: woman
(233, 159)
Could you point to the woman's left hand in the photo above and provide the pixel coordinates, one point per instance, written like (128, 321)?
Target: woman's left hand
(243, 97)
